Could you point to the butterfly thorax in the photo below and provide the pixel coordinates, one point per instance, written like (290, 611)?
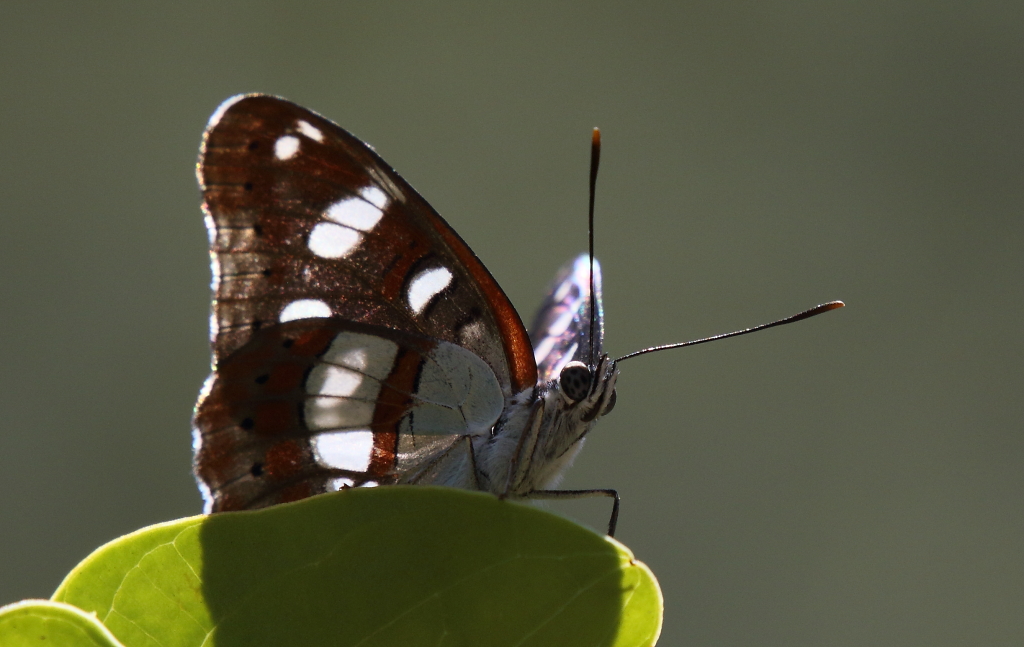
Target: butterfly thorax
(545, 446)
(531, 445)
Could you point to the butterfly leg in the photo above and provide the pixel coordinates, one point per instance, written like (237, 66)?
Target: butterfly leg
(528, 437)
(580, 494)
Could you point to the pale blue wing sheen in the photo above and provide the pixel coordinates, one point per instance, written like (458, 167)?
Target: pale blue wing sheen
(561, 328)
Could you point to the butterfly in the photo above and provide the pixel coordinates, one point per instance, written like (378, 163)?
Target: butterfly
(358, 341)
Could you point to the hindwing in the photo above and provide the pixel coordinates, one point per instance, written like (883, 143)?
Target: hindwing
(314, 405)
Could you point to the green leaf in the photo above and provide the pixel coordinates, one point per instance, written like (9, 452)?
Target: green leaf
(42, 622)
(384, 566)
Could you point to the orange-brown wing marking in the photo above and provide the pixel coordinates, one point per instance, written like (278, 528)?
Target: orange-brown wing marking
(516, 341)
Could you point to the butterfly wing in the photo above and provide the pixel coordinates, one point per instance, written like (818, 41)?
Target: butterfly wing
(561, 328)
(306, 220)
(311, 233)
(313, 405)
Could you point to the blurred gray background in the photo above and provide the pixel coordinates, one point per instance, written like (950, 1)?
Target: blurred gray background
(855, 479)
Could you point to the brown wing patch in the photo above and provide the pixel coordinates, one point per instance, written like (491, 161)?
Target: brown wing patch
(262, 208)
(256, 446)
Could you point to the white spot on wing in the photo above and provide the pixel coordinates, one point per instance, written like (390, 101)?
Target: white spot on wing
(345, 383)
(328, 240)
(330, 412)
(309, 130)
(356, 213)
(304, 309)
(355, 358)
(336, 380)
(374, 356)
(286, 147)
(374, 196)
(426, 285)
(344, 450)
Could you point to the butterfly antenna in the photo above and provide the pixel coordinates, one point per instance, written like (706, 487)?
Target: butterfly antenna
(595, 161)
(816, 310)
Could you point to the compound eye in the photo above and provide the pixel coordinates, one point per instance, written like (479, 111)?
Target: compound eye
(575, 381)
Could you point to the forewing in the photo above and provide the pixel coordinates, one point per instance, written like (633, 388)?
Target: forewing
(314, 405)
(561, 329)
(305, 221)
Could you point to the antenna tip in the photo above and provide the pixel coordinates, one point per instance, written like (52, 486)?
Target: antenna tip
(831, 305)
(596, 137)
